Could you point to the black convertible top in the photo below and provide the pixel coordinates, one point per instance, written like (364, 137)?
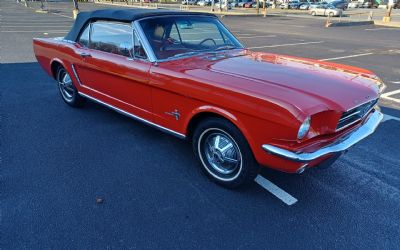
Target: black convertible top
(122, 15)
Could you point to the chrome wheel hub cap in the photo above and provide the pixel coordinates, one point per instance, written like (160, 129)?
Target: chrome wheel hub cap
(65, 85)
(222, 153)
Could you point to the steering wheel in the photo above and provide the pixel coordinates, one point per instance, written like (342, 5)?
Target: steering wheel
(208, 39)
(168, 42)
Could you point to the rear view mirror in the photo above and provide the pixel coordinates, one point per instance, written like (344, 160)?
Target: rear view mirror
(185, 25)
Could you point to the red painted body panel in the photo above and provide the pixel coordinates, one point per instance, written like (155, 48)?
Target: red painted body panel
(267, 96)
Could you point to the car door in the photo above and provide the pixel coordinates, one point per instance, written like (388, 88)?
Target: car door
(110, 72)
(320, 10)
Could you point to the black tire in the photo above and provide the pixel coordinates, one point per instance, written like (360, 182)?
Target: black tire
(246, 167)
(68, 92)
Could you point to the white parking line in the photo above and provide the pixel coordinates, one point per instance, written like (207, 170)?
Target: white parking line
(283, 45)
(38, 26)
(275, 190)
(344, 57)
(32, 31)
(382, 29)
(390, 117)
(244, 34)
(395, 82)
(244, 37)
(57, 14)
(388, 94)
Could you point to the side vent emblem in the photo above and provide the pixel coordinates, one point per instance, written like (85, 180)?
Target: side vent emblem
(175, 113)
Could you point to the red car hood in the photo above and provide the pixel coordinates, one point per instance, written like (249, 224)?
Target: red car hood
(309, 85)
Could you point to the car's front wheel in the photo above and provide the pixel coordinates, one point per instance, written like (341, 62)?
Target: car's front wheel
(224, 153)
(313, 13)
(67, 89)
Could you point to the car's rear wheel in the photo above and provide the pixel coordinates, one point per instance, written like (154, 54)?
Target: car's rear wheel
(67, 89)
(224, 153)
(313, 13)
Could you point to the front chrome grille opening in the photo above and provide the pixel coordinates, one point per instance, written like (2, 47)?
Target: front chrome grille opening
(355, 114)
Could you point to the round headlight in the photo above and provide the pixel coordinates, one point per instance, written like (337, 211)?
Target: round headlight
(303, 130)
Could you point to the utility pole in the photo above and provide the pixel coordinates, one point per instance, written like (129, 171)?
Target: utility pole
(387, 18)
(265, 8)
(75, 10)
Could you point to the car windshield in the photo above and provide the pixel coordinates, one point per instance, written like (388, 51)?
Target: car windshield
(174, 37)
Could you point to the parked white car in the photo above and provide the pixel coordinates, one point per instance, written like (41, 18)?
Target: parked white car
(355, 4)
(327, 10)
(223, 6)
(204, 2)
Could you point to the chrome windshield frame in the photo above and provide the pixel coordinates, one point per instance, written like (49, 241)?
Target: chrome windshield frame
(149, 50)
(144, 41)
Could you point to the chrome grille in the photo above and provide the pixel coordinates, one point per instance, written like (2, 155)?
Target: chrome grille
(355, 114)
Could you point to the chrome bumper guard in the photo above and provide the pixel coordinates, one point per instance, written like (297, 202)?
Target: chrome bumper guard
(340, 145)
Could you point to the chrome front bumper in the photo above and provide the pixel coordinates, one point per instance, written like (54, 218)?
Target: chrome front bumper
(339, 145)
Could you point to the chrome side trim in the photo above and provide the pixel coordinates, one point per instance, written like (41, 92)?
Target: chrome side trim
(67, 41)
(76, 75)
(340, 145)
(179, 135)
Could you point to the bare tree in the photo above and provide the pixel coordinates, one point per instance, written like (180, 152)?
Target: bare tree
(76, 7)
(258, 6)
(75, 10)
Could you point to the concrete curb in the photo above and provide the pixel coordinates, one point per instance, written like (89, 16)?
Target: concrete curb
(388, 24)
(341, 24)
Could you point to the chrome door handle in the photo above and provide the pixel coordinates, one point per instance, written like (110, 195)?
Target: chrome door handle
(84, 54)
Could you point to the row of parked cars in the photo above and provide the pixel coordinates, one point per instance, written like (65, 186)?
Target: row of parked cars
(291, 4)
(234, 3)
(338, 4)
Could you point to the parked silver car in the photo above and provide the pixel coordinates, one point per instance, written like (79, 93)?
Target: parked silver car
(189, 2)
(327, 10)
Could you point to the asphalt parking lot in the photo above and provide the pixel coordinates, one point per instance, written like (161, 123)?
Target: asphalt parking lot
(56, 161)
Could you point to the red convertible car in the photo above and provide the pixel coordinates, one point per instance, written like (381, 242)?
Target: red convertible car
(186, 74)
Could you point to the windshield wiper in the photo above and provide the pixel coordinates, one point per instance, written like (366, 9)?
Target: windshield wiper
(190, 53)
(226, 47)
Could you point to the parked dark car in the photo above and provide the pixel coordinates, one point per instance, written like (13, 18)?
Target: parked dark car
(339, 4)
(295, 4)
(260, 4)
(249, 4)
(316, 4)
(243, 2)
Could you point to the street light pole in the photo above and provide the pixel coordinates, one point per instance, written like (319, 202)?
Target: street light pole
(265, 8)
(75, 10)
